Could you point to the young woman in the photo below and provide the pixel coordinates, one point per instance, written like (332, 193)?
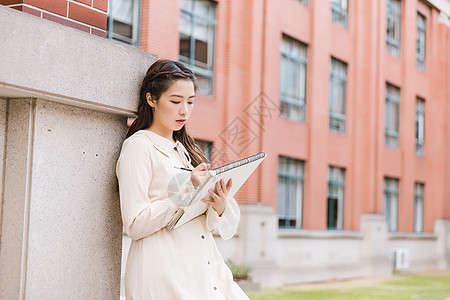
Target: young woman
(166, 264)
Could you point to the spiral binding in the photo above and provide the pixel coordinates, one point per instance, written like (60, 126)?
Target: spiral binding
(239, 163)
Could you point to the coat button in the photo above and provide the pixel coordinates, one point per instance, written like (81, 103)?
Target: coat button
(209, 262)
(203, 237)
(215, 288)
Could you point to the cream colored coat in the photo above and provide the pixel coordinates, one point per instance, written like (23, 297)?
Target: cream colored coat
(168, 264)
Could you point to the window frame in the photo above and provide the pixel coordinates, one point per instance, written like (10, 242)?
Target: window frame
(337, 78)
(287, 201)
(419, 148)
(421, 41)
(292, 62)
(136, 26)
(392, 136)
(304, 2)
(333, 184)
(190, 61)
(391, 187)
(419, 192)
(206, 147)
(394, 14)
(339, 12)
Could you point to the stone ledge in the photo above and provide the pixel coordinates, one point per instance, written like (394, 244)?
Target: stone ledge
(319, 234)
(412, 236)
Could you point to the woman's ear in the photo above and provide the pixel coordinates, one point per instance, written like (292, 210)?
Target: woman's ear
(150, 101)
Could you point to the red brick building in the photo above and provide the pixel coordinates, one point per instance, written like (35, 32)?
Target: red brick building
(245, 60)
(350, 101)
(87, 15)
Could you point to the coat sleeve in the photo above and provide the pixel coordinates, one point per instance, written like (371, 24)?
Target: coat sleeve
(141, 217)
(227, 223)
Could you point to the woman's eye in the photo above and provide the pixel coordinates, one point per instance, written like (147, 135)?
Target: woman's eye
(190, 102)
(176, 102)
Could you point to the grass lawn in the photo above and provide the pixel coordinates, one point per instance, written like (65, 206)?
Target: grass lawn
(433, 285)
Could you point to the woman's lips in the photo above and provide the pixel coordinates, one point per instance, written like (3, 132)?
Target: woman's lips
(181, 122)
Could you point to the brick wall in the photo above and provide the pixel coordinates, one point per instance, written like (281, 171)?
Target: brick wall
(86, 15)
(160, 14)
(246, 68)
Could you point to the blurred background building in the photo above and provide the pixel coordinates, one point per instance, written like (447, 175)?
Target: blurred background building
(349, 99)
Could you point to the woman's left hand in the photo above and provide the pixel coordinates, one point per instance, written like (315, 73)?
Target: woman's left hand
(219, 198)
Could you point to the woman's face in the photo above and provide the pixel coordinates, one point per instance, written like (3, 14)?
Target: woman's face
(173, 108)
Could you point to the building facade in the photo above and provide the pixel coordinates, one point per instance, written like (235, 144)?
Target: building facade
(349, 100)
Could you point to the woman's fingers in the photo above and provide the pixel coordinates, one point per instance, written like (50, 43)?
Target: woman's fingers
(219, 196)
(224, 188)
(229, 184)
(201, 167)
(199, 173)
(219, 188)
(214, 201)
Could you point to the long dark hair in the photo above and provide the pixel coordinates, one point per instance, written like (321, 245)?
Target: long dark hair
(157, 80)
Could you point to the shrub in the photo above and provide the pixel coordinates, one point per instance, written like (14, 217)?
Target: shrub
(239, 271)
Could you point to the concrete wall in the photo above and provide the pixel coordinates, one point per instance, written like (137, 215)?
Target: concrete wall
(64, 101)
(282, 257)
(3, 113)
(61, 221)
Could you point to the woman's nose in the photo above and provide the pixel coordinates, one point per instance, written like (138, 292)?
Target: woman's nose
(184, 109)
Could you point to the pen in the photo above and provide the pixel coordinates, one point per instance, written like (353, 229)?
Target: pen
(183, 168)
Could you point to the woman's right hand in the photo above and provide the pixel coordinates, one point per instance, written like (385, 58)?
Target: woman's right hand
(199, 173)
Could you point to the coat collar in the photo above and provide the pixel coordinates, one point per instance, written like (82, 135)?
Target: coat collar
(166, 146)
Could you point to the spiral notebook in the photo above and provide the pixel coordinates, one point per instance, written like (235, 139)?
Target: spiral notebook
(239, 171)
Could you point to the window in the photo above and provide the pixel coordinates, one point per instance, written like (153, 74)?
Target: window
(339, 12)
(391, 203)
(290, 193)
(420, 51)
(206, 148)
(338, 80)
(123, 21)
(335, 201)
(292, 79)
(393, 27)
(418, 207)
(304, 2)
(392, 115)
(420, 126)
(197, 27)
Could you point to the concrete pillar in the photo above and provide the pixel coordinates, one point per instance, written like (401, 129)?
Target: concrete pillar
(442, 230)
(61, 216)
(64, 101)
(3, 108)
(257, 244)
(374, 253)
